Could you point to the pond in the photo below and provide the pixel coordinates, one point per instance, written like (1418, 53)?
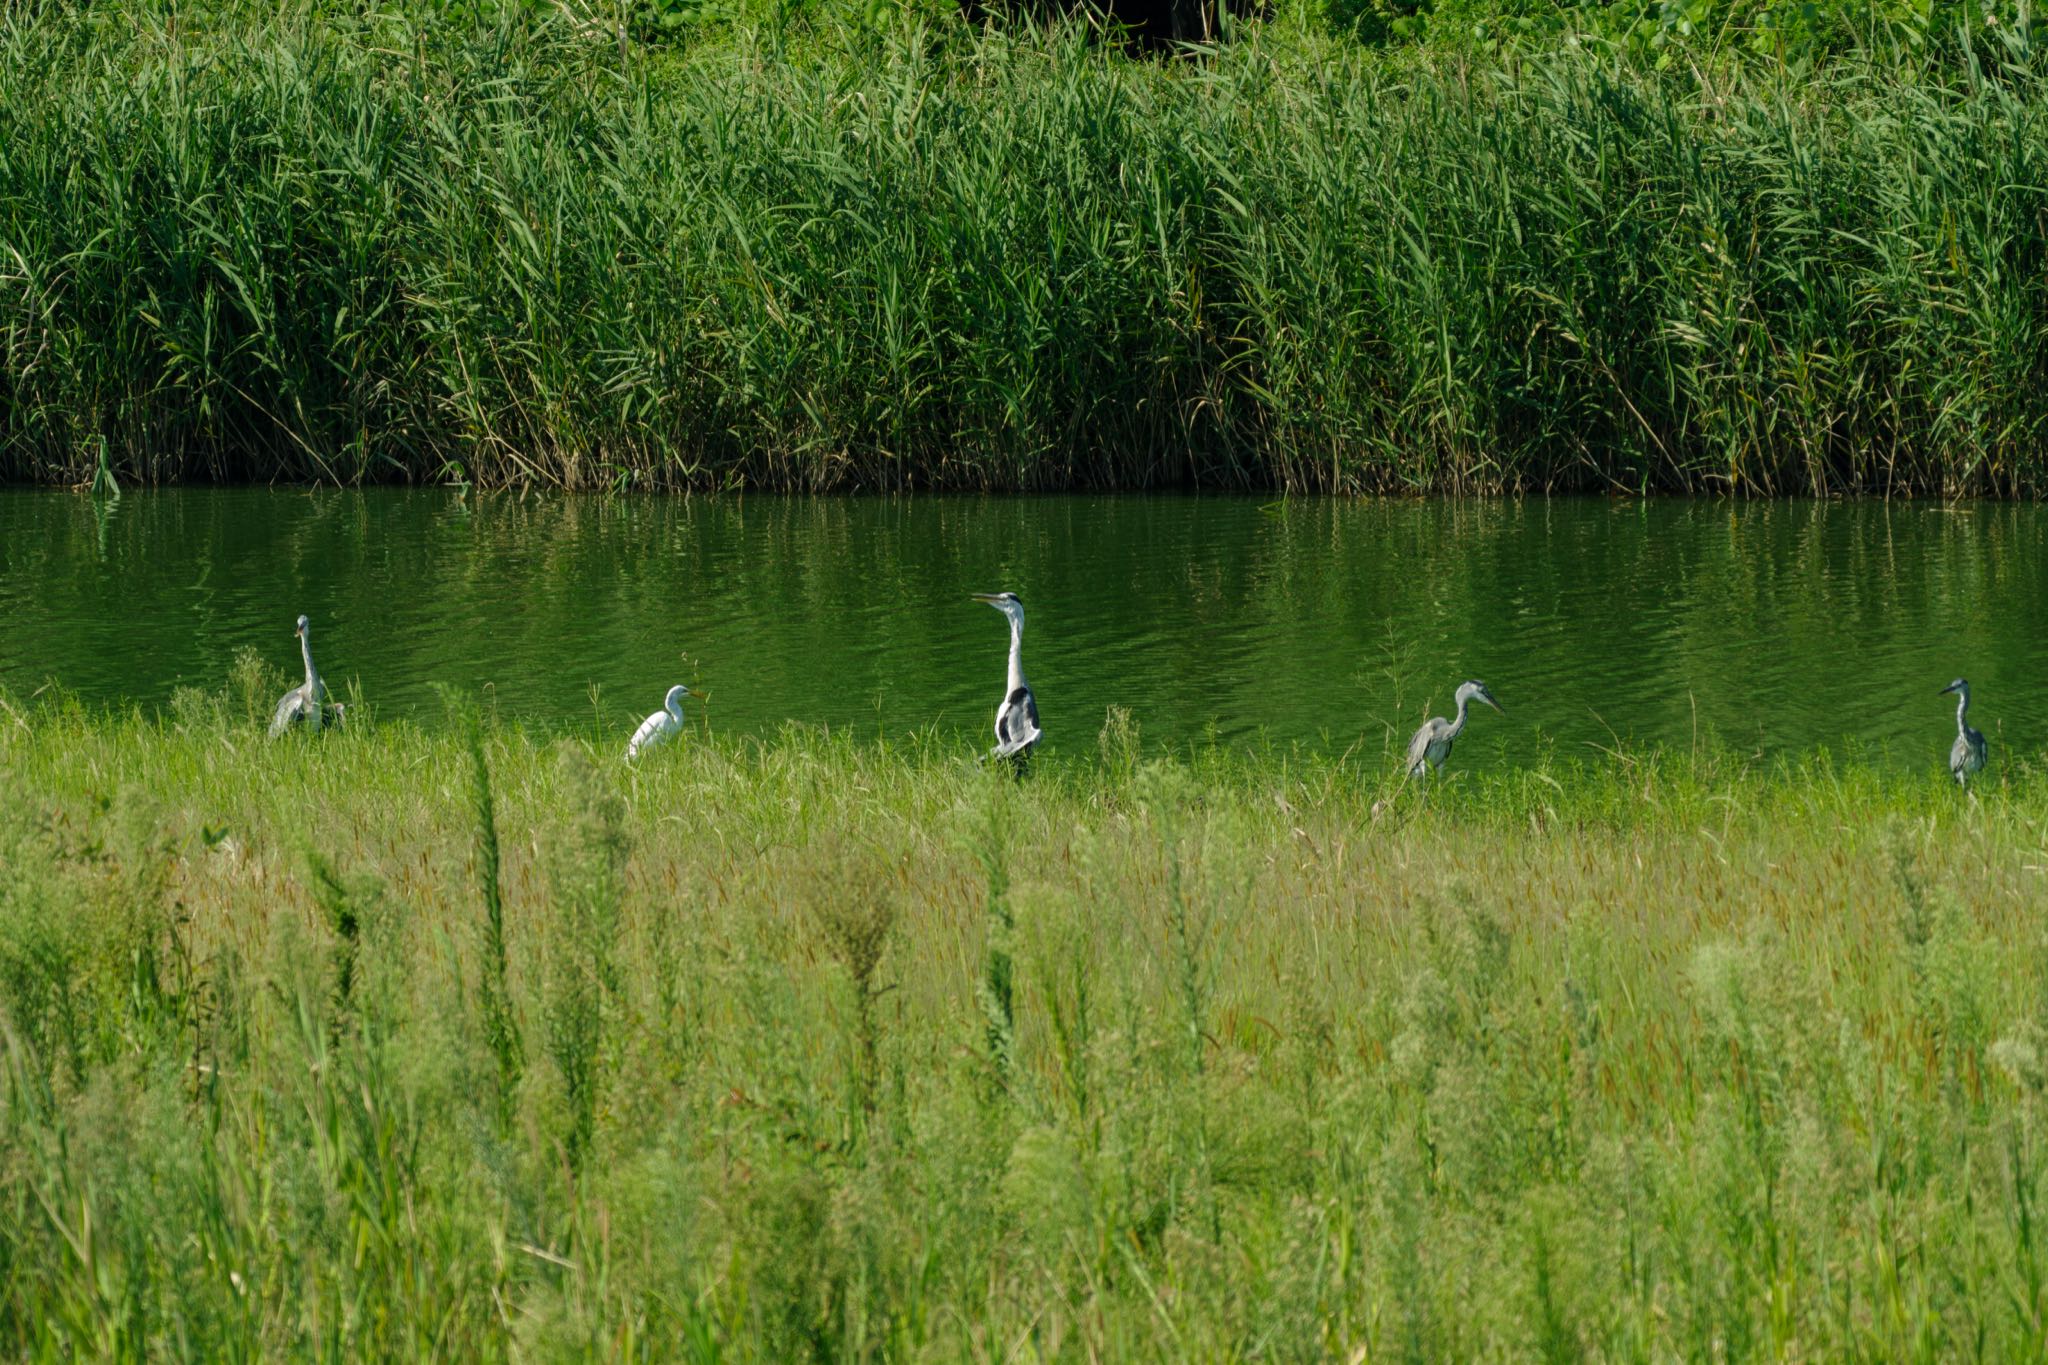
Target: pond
(1775, 627)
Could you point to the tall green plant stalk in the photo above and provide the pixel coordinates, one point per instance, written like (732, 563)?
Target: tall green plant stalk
(997, 988)
(584, 986)
(501, 1028)
(341, 903)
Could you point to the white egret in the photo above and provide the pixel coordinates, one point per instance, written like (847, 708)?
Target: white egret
(657, 728)
(1017, 717)
(1432, 743)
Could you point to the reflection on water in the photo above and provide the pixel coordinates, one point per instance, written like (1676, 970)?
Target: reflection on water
(1776, 626)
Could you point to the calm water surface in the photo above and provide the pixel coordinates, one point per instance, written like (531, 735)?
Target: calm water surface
(1778, 627)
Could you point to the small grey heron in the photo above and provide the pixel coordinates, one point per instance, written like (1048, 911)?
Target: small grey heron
(1432, 743)
(657, 728)
(307, 703)
(1966, 757)
(1017, 718)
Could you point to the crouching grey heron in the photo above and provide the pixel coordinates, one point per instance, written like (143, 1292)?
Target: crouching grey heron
(1432, 743)
(1966, 757)
(657, 728)
(1017, 717)
(307, 703)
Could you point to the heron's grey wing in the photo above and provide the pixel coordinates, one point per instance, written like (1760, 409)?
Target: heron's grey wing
(1016, 744)
(1418, 747)
(1966, 755)
(1016, 725)
(1017, 722)
(291, 708)
(1021, 717)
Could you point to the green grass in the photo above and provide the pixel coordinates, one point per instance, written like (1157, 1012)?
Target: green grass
(470, 1045)
(323, 247)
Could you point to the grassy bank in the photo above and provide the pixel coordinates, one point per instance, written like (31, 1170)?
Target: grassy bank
(815, 1050)
(321, 248)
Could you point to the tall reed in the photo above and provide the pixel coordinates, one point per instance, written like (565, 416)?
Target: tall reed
(324, 247)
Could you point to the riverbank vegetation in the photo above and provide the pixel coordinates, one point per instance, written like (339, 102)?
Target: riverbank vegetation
(1640, 248)
(467, 1044)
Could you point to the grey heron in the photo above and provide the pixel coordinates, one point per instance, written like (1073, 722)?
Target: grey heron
(1017, 718)
(1432, 743)
(657, 728)
(307, 703)
(1966, 757)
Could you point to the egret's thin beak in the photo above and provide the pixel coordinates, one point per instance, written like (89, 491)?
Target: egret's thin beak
(695, 695)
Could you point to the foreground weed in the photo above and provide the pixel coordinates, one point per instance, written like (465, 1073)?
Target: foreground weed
(854, 910)
(584, 985)
(501, 1029)
(996, 991)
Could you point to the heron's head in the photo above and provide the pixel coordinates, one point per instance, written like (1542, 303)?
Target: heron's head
(1005, 602)
(674, 701)
(1477, 692)
(300, 628)
(1957, 686)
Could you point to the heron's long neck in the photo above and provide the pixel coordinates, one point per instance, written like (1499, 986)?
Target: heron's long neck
(306, 652)
(1962, 709)
(1016, 655)
(1458, 725)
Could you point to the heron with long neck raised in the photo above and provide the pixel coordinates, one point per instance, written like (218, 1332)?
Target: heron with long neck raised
(1967, 755)
(1432, 743)
(1017, 717)
(657, 728)
(305, 704)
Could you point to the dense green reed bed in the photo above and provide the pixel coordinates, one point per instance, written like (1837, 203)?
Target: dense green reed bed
(319, 247)
(816, 1049)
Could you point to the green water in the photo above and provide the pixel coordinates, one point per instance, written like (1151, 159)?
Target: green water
(1777, 627)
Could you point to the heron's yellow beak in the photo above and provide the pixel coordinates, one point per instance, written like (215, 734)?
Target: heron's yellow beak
(987, 597)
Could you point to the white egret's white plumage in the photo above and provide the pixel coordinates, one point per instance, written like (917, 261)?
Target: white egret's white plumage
(307, 703)
(1432, 743)
(1017, 717)
(657, 728)
(1967, 756)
